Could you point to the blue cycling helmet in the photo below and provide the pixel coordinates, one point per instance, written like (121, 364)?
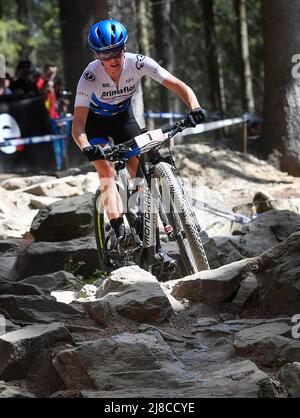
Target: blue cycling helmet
(107, 34)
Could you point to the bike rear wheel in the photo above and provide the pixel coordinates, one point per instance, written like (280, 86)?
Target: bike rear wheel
(182, 218)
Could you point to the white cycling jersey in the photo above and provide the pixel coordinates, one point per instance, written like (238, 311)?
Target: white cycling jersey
(97, 91)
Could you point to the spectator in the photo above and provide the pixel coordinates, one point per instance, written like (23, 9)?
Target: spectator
(4, 86)
(2, 91)
(22, 84)
(63, 106)
(35, 74)
(49, 74)
(46, 84)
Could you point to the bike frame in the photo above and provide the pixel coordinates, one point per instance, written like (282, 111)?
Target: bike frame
(150, 212)
(145, 246)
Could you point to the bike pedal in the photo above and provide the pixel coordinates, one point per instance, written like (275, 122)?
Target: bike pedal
(170, 267)
(167, 263)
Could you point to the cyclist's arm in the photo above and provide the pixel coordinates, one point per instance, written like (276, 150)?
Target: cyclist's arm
(161, 75)
(78, 127)
(84, 93)
(184, 92)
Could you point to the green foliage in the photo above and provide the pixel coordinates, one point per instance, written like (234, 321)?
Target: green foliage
(11, 33)
(98, 274)
(33, 32)
(36, 36)
(45, 36)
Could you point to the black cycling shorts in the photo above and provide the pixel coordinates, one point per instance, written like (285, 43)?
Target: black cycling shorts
(120, 127)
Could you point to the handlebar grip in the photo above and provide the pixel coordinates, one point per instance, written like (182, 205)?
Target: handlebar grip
(184, 123)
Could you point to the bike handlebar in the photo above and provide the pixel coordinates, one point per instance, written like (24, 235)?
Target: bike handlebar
(178, 126)
(118, 152)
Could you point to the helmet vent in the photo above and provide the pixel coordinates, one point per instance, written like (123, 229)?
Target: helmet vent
(113, 35)
(103, 41)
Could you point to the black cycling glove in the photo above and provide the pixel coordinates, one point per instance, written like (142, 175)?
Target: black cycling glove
(196, 116)
(94, 152)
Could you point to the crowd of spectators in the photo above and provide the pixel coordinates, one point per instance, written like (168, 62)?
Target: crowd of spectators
(32, 82)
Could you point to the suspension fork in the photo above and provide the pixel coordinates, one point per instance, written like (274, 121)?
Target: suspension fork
(149, 215)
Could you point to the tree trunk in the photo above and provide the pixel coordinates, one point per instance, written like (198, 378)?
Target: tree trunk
(101, 9)
(23, 16)
(126, 12)
(282, 83)
(213, 58)
(163, 45)
(22, 10)
(76, 19)
(243, 46)
(144, 44)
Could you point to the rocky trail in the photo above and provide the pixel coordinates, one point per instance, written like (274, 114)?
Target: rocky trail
(68, 331)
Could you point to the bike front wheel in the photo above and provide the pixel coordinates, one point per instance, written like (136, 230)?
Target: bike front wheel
(182, 218)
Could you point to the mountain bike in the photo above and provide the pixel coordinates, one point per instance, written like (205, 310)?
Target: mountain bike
(160, 208)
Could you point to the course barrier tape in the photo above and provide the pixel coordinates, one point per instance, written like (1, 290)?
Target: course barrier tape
(211, 126)
(164, 115)
(204, 127)
(14, 142)
(235, 217)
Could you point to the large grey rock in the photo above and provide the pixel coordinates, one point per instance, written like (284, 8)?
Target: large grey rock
(246, 290)
(49, 257)
(22, 350)
(279, 280)
(253, 335)
(13, 288)
(211, 326)
(270, 344)
(132, 293)
(64, 220)
(36, 309)
(16, 183)
(222, 250)
(267, 230)
(9, 250)
(15, 214)
(6, 203)
(14, 391)
(65, 187)
(11, 246)
(238, 379)
(127, 361)
(7, 326)
(41, 202)
(7, 265)
(213, 286)
(60, 280)
(290, 378)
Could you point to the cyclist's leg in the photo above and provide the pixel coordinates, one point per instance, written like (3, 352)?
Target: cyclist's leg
(110, 196)
(97, 130)
(126, 129)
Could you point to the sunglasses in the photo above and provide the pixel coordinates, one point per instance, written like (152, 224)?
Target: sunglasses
(108, 55)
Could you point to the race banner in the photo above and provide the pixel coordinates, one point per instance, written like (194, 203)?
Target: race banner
(25, 117)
